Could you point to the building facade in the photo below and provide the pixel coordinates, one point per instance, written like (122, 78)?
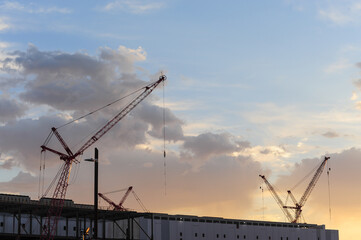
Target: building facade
(23, 218)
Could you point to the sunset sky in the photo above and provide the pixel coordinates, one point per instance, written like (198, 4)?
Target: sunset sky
(254, 87)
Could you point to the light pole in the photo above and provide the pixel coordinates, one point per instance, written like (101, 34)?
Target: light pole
(95, 160)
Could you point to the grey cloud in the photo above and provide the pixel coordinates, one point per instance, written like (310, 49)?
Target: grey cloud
(22, 140)
(154, 116)
(23, 183)
(75, 81)
(8, 164)
(10, 109)
(330, 134)
(79, 83)
(357, 83)
(344, 176)
(265, 151)
(206, 145)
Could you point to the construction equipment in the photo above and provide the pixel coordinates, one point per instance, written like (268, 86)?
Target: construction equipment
(298, 205)
(277, 198)
(69, 158)
(119, 206)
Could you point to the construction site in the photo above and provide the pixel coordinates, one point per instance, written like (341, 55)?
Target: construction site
(57, 217)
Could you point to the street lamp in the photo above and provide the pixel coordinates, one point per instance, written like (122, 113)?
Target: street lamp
(95, 160)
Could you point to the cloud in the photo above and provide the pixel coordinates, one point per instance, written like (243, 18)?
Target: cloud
(291, 125)
(11, 109)
(344, 176)
(335, 16)
(4, 45)
(22, 139)
(3, 25)
(133, 6)
(354, 96)
(7, 163)
(70, 85)
(338, 66)
(198, 149)
(330, 134)
(30, 8)
(357, 83)
(342, 14)
(154, 115)
(75, 81)
(23, 183)
(358, 105)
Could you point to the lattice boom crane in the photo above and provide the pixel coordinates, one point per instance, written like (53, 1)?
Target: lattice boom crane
(277, 198)
(119, 206)
(58, 198)
(298, 205)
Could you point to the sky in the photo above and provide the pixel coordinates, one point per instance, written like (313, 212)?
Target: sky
(253, 87)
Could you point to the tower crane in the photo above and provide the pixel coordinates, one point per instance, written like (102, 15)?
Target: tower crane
(119, 206)
(277, 198)
(298, 205)
(57, 200)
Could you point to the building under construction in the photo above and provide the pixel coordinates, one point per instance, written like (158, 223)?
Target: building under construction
(23, 218)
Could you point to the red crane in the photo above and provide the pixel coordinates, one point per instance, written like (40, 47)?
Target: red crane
(119, 206)
(69, 157)
(298, 205)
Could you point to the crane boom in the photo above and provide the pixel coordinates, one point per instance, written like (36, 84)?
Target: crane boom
(313, 182)
(125, 196)
(63, 143)
(309, 189)
(57, 201)
(292, 196)
(108, 200)
(277, 198)
(148, 89)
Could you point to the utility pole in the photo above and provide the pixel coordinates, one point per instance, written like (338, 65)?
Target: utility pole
(95, 160)
(96, 193)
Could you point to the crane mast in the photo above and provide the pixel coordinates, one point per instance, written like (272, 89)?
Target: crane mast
(277, 198)
(58, 197)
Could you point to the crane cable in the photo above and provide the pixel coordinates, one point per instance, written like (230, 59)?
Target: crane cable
(329, 190)
(41, 174)
(261, 187)
(54, 179)
(115, 191)
(305, 177)
(164, 149)
(105, 106)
